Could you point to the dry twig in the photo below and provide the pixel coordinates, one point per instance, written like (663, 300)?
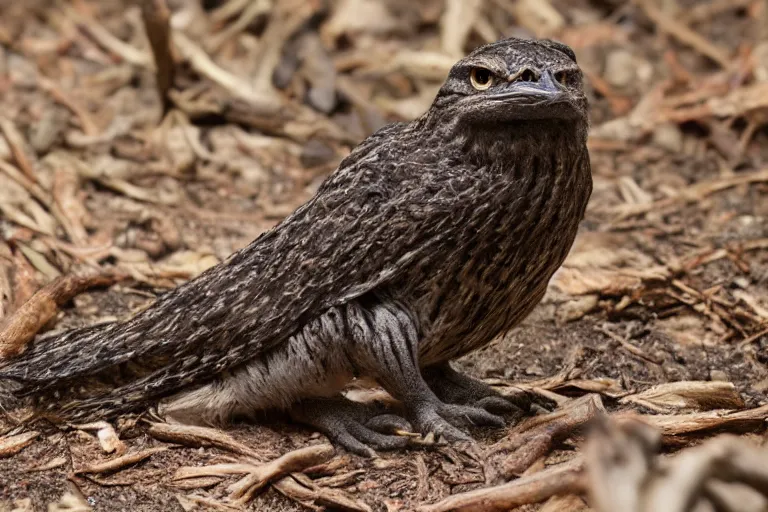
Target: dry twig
(21, 327)
(11, 445)
(190, 435)
(565, 478)
(121, 462)
(535, 437)
(297, 460)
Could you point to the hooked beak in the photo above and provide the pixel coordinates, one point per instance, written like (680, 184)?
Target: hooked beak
(542, 92)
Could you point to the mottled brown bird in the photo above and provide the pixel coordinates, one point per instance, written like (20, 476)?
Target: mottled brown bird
(431, 239)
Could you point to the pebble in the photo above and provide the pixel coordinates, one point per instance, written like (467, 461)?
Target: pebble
(620, 68)
(718, 375)
(668, 136)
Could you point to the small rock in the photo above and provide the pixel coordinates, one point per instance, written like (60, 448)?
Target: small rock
(668, 136)
(576, 308)
(718, 375)
(620, 68)
(534, 369)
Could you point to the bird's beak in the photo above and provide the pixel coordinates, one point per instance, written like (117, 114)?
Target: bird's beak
(544, 91)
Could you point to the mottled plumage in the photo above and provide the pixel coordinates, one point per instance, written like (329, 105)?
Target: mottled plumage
(430, 239)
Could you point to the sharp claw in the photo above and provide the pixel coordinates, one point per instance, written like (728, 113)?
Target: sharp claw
(406, 433)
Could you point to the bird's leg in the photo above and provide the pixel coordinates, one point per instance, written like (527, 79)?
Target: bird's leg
(386, 335)
(356, 426)
(456, 388)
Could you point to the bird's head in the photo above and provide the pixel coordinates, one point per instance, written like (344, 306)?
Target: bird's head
(514, 80)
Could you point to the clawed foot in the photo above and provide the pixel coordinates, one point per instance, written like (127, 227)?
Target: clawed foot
(357, 427)
(446, 420)
(453, 387)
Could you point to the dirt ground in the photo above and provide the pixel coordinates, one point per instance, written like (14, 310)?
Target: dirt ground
(153, 170)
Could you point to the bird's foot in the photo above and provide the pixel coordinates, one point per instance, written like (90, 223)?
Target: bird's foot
(357, 427)
(453, 387)
(447, 420)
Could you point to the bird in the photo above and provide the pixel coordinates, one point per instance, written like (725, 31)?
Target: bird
(431, 239)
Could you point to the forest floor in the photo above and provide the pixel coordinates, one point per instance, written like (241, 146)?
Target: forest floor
(144, 172)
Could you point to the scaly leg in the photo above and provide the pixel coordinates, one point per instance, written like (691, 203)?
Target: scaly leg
(385, 336)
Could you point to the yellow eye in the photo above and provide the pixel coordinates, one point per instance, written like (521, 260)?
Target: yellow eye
(562, 77)
(481, 78)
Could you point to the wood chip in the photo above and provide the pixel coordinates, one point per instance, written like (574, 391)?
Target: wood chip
(121, 462)
(11, 445)
(565, 478)
(297, 460)
(190, 435)
(688, 395)
(19, 329)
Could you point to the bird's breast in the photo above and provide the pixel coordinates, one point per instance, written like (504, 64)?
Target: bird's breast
(494, 275)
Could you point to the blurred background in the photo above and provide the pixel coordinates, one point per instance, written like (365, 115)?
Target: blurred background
(144, 141)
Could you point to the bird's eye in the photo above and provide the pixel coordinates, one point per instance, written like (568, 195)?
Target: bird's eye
(481, 78)
(562, 77)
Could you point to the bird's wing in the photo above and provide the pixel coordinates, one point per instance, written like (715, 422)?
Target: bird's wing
(371, 221)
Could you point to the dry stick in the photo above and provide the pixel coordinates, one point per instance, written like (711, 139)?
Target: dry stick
(684, 34)
(12, 445)
(121, 462)
(702, 395)
(86, 121)
(21, 327)
(708, 10)
(693, 193)
(218, 470)
(736, 102)
(301, 488)
(190, 484)
(565, 478)
(674, 426)
(543, 432)
(157, 24)
(18, 148)
(211, 503)
(47, 466)
(236, 85)
(628, 346)
(109, 42)
(200, 436)
(229, 9)
(747, 341)
(726, 458)
(291, 462)
(625, 472)
(251, 11)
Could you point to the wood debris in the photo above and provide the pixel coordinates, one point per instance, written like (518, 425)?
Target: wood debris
(121, 462)
(200, 436)
(20, 328)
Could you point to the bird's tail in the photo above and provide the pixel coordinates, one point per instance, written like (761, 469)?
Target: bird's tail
(63, 376)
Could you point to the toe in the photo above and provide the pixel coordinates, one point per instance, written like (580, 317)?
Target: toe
(432, 422)
(531, 401)
(388, 424)
(498, 405)
(376, 439)
(463, 415)
(351, 443)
